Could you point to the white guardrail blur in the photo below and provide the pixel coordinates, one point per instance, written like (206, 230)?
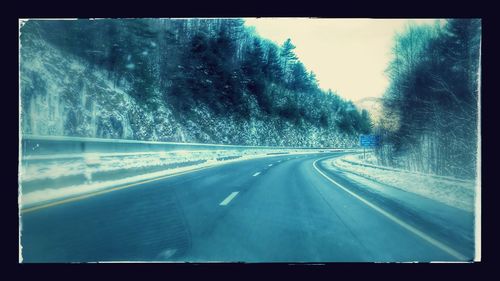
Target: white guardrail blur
(51, 164)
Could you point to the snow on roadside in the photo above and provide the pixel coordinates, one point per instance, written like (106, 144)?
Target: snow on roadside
(47, 194)
(456, 193)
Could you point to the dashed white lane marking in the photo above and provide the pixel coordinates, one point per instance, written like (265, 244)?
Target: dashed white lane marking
(256, 174)
(270, 165)
(229, 198)
(408, 227)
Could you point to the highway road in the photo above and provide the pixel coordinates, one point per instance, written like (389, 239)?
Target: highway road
(278, 209)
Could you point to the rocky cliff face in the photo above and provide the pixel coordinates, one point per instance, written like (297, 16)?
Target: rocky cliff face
(62, 95)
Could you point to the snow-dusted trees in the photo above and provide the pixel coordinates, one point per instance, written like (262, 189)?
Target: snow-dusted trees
(271, 67)
(288, 59)
(433, 99)
(218, 67)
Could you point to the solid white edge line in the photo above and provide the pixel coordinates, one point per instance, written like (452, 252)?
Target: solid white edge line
(228, 198)
(408, 227)
(256, 174)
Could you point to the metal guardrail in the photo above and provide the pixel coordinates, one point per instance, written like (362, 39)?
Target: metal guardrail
(50, 145)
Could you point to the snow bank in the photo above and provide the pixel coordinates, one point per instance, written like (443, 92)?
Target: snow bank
(453, 192)
(64, 176)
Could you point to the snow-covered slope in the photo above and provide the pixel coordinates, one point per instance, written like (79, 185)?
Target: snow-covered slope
(61, 95)
(453, 192)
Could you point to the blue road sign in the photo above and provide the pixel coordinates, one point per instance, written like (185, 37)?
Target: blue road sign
(369, 141)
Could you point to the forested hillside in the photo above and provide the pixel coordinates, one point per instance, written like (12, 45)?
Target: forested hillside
(431, 107)
(197, 80)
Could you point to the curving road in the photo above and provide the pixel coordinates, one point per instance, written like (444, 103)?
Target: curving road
(278, 209)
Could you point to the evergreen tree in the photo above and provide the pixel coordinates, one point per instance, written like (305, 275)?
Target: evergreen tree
(288, 58)
(272, 67)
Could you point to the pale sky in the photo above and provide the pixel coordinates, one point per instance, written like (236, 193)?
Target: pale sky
(348, 56)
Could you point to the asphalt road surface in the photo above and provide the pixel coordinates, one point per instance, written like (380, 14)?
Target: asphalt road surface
(278, 209)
